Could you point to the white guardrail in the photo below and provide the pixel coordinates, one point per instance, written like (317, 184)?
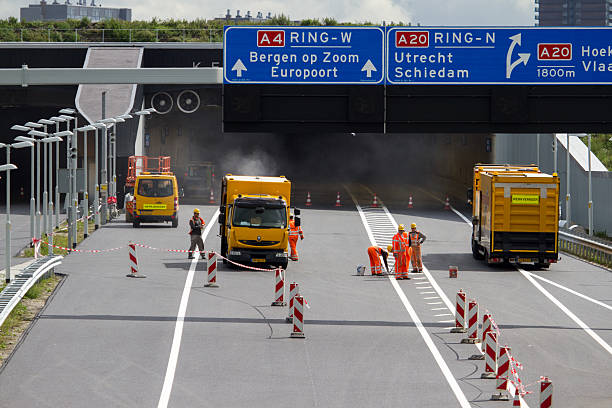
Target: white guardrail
(586, 248)
(12, 294)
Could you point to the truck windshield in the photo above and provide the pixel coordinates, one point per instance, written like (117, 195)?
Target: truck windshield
(155, 187)
(260, 217)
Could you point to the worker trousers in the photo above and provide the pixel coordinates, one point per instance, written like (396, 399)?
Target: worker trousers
(401, 265)
(375, 264)
(417, 262)
(293, 244)
(196, 240)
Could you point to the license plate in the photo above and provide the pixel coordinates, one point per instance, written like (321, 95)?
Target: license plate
(259, 260)
(154, 206)
(525, 260)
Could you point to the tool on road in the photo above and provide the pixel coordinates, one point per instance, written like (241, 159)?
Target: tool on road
(308, 201)
(298, 317)
(338, 203)
(460, 313)
(410, 202)
(279, 288)
(546, 390)
(503, 370)
(212, 197)
(361, 270)
(133, 262)
(490, 356)
(472, 323)
(375, 201)
(294, 290)
(447, 204)
(452, 271)
(211, 268)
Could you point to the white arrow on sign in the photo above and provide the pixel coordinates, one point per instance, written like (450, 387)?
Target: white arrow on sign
(523, 57)
(239, 67)
(368, 68)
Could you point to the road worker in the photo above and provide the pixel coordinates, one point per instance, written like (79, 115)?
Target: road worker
(375, 253)
(294, 232)
(415, 239)
(196, 224)
(400, 252)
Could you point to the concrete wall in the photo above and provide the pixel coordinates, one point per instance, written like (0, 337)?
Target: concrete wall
(522, 149)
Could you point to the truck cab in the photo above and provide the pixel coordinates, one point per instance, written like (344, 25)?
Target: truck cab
(254, 220)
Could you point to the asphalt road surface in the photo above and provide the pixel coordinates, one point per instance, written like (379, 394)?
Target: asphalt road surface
(108, 340)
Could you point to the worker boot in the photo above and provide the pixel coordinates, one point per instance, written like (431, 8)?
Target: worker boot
(190, 256)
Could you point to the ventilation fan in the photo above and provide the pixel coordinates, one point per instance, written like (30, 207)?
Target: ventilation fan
(188, 101)
(162, 102)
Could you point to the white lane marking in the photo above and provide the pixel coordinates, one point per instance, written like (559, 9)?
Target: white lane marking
(446, 321)
(431, 297)
(573, 292)
(434, 303)
(443, 314)
(421, 283)
(565, 310)
(180, 320)
(415, 318)
(419, 277)
(427, 293)
(440, 308)
(425, 287)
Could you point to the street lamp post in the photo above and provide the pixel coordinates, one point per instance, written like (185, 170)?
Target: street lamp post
(104, 169)
(50, 205)
(96, 178)
(38, 231)
(85, 202)
(568, 204)
(8, 167)
(32, 183)
(590, 192)
(57, 120)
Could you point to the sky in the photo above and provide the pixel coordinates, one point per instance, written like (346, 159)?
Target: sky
(425, 12)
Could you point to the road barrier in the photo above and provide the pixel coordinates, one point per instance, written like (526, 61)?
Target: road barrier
(212, 197)
(338, 203)
(503, 369)
(589, 249)
(490, 355)
(308, 201)
(375, 201)
(486, 327)
(452, 271)
(460, 313)
(546, 389)
(211, 267)
(516, 402)
(279, 293)
(410, 202)
(447, 204)
(133, 262)
(472, 323)
(294, 290)
(298, 317)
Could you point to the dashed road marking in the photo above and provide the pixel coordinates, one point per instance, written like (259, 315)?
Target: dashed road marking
(431, 297)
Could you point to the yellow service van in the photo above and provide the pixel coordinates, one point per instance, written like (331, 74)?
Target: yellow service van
(155, 198)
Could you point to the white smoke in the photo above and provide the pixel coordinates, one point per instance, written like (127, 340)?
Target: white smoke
(255, 163)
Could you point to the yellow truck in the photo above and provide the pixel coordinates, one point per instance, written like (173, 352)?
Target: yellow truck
(254, 219)
(515, 214)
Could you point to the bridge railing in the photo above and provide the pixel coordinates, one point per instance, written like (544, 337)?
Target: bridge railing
(590, 249)
(111, 35)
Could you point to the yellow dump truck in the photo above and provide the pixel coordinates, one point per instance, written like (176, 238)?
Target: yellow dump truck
(254, 219)
(515, 214)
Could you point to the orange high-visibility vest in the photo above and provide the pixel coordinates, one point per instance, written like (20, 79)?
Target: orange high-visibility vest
(295, 231)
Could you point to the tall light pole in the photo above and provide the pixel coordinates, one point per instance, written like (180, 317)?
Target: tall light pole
(74, 165)
(538, 150)
(85, 202)
(32, 183)
(103, 171)
(96, 178)
(555, 148)
(38, 232)
(57, 120)
(590, 192)
(50, 205)
(8, 167)
(568, 204)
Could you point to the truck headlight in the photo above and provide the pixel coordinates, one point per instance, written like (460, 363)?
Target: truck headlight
(235, 253)
(281, 255)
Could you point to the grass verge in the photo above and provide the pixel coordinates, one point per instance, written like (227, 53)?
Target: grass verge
(60, 239)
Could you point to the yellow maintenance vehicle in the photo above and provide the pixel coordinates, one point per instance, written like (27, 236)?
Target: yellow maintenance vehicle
(515, 215)
(254, 219)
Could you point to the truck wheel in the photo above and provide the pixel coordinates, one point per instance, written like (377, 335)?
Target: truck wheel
(475, 252)
(136, 224)
(284, 265)
(175, 222)
(543, 265)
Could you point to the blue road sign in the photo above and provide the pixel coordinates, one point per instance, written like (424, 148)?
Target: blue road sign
(303, 55)
(538, 55)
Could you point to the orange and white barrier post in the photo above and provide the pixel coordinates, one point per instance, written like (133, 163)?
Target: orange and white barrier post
(133, 262)
(298, 317)
(294, 289)
(546, 390)
(503, 370)
(212, 197)
(211, 270)
(338, 203)
(460, 313)
(375, 201)
(486, 327)
(490, 355)
(472, 323)
(410, 202)
(452, 271)
(516, 402)
(279, 292)
(308, 201)
(447, 204)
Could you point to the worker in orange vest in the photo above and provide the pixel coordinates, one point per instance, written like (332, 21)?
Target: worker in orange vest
(294, 232)
(415, 239)
(401, 253)
(375, 253)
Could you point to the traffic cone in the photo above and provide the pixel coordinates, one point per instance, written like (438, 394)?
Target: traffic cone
(308, 202)
(375, 201)
(338, 203)
(447, 204)
(410, 202)
(212, 197)
(516, 402)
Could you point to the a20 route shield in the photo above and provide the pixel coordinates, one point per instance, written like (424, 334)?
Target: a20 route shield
(303, 55)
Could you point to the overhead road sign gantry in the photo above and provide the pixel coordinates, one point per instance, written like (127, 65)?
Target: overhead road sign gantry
(303, 55)
(521, 55)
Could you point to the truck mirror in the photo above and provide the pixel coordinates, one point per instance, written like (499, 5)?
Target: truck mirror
(221, 210)
(470, 194)
(296, 211)
(221, 218)
(298, 221)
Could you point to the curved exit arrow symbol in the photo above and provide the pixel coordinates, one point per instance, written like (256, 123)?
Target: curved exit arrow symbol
(239, 67)
(523, 57)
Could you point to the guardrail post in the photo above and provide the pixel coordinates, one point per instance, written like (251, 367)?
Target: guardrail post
(48, 35)
(183, 35)
(130, 35)
(76, 35)
(103, 34)
(157, 35)
(21, 34)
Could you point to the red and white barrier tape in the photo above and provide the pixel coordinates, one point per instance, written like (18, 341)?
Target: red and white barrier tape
(518, 383)
(92, 251)
(493, 324)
